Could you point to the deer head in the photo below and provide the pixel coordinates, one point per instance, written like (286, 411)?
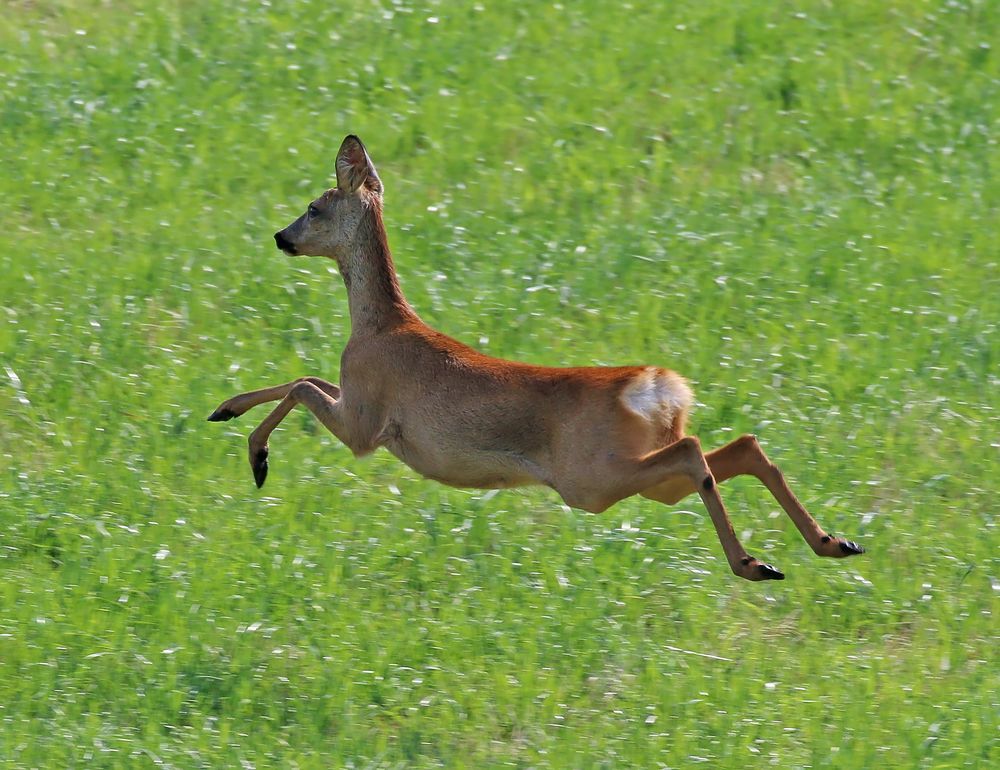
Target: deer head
(330, 225)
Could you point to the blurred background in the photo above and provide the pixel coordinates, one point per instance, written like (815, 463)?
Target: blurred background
(794, 204)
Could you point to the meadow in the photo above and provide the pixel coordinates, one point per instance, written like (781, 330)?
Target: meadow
(794, 204)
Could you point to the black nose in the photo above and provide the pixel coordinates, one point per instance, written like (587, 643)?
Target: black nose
(283, 243)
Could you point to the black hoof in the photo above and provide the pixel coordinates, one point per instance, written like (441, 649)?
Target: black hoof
(221, 415)
(850, 548)
(760, 570)
(259, 466)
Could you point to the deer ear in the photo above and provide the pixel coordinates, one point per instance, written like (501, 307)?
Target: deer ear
(354, 168)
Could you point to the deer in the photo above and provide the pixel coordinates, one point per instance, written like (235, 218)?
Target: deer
(596, 435)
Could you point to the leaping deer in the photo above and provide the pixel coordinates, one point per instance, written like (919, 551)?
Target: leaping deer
(595, 435)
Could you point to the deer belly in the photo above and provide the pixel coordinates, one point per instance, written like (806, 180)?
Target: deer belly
(461, 466)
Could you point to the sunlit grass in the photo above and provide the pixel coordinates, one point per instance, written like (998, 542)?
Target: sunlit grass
(793, 205)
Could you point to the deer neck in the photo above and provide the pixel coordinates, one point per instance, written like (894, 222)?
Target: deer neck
(374, 296)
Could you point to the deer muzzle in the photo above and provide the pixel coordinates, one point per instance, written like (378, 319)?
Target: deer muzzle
(284, 244)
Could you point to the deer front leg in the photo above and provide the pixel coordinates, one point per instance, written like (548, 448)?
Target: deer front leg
(328, 410)
(237, 405)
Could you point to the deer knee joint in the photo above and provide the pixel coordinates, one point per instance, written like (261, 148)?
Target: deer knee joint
(300, 389)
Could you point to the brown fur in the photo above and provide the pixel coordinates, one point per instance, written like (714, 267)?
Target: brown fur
(595, 435)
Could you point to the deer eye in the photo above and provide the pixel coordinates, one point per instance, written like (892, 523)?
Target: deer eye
(313, 211)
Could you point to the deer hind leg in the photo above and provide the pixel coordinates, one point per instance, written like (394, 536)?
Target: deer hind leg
(744, 456)
(237, 405)
(326, 408)
(679, 463)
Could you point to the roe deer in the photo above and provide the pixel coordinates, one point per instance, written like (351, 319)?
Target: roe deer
(595, 435)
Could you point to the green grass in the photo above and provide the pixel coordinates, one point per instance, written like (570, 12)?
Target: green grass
(795, 205)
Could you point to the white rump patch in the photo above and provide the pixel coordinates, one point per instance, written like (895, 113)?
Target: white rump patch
(657, 395)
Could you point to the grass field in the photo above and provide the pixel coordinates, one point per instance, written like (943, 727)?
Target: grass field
(794, 204)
